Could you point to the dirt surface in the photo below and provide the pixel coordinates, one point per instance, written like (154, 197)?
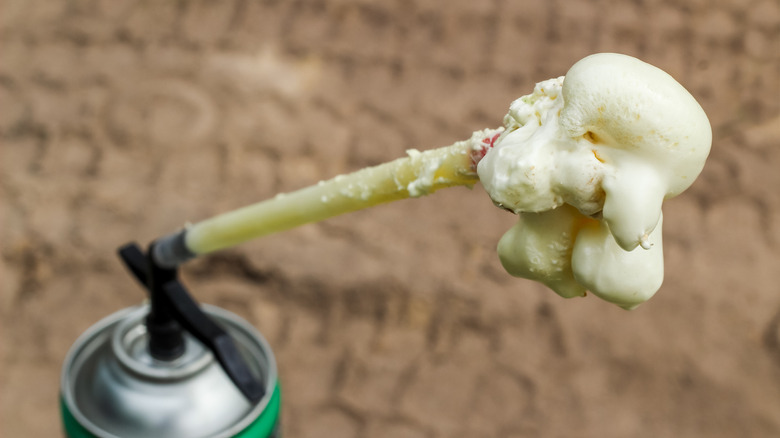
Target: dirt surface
(122, 120)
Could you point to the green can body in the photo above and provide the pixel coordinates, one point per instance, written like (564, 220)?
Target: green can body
(265, 426)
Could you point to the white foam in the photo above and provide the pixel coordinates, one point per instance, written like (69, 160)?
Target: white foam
(612, 139)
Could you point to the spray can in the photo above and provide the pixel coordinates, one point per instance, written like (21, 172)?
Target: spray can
(169, 368)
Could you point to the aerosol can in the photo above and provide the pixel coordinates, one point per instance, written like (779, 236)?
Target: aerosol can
(169, 368)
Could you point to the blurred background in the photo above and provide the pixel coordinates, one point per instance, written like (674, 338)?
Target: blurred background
(123, 120)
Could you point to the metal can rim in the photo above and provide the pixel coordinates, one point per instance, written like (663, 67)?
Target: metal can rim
(83, 340)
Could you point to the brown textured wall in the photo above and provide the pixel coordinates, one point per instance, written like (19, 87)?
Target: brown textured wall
(121, 120)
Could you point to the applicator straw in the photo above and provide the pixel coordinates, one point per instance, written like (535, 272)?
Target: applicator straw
(417, 174)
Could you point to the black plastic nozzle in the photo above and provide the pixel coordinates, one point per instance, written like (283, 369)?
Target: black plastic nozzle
(173, 310)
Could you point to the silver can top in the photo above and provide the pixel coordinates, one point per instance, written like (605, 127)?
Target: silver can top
(115, 388)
